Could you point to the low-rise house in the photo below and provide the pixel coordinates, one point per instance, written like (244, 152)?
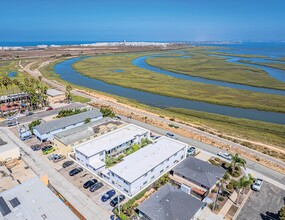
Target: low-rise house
(170, 203)
(66, 140)
(144, 166)
(33, 200)
(196, 176)
(46, 131)
(55, 96)
(92, 154)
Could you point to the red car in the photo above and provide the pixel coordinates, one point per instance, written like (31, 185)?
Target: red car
(49, 108)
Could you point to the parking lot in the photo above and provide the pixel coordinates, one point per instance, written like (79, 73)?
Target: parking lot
(79, 179)
(264, 204)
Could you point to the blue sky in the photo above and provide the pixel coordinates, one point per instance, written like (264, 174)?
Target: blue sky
(154, 20)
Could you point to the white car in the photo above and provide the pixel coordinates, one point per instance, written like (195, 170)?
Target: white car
(257, 184)
(225, 156)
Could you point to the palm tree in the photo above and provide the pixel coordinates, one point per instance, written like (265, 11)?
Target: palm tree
(68, 89)
(6, 81)
(237, 161)
(243, 183)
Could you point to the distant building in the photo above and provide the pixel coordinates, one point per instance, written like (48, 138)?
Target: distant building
(197, 175)
(45, 131)
(92, 154)
(170, 203)
(33, 200)
(55, 96)
(8, 149)
(144, 166)
(66, 140)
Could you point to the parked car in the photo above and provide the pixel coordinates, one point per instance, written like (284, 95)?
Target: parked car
(108, 195)
(191, 151)
(170, 135)
(75, 171)
(36, 147)
(29, 113)
(95, 187)
(225, 156)
(257, 185)
(89, 183)
(113, 217)
(48, 149)
(67, 163)
(49, 108)
(117, 118)
(12, 123)
(52, 156)
(58, 158)
(114, 202)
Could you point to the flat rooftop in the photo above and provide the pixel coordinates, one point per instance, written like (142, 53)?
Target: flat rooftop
(145, 159)
(87, 130)
(110, 140)
(6, 143)
(67, 121)
(33, 200)
(54, 92)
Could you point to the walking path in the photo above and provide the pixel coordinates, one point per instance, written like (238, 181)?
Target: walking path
(78, 199)
(228, 204)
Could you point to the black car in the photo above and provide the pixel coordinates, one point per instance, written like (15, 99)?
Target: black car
(96, 186)
(75, 171)
(36, 147)
(114, 202)
(89, 183)
(67, 163)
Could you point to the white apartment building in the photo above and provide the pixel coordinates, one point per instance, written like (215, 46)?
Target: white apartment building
(146, 165)
(92, 154)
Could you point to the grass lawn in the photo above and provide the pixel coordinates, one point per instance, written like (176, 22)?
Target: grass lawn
(5, 68)
(212, 67)
(76, 98)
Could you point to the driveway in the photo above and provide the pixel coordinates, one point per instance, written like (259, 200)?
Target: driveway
(264, 204)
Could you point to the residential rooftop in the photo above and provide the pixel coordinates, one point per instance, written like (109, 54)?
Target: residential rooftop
(110, 140)
(6, 143)
(140, 162)
(87, 130)
(33, 200)
(170, 203)
(67, 121)
(200, 171)
(54, 92)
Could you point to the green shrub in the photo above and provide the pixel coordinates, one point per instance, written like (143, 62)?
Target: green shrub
(234, 183)
(221, 198)
(34, 124)
(213, 191)
(281, 213)
(230, 186)
(212, 161)
(226, 176)
(217, 159)
(107, 112)
(225, 165)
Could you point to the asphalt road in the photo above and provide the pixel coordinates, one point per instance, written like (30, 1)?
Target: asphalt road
(264, 204)
(42, 114)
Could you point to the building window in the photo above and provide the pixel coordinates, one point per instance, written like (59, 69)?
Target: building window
(152, 170)
(152, 177)
(161, 171)
(175, 155)
(101, 153)
(167, 160)
(126, 190)
(182, 157)
(113, 182)
(167, 167)
(145, 183)
(145, 174)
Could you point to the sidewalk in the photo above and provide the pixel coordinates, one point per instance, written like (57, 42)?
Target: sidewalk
(228, 204)
(79, 200)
